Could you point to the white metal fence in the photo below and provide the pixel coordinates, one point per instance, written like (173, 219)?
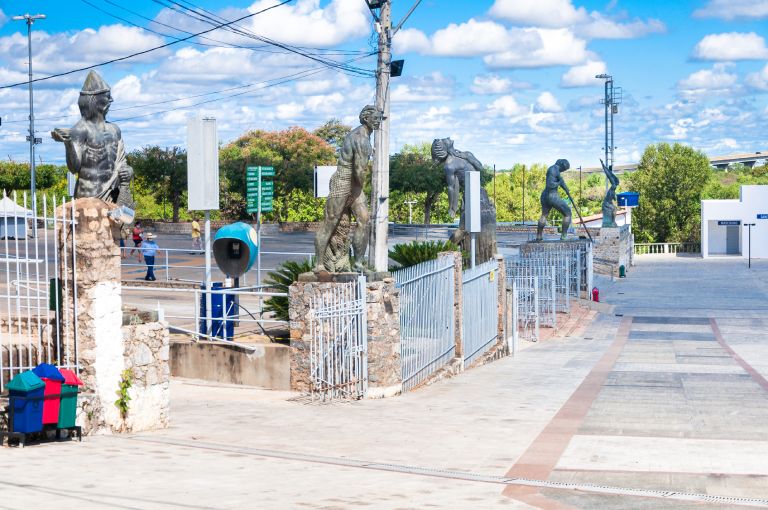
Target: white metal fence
(427, 327)
(480, 301)
(339, 343)
(38, 291)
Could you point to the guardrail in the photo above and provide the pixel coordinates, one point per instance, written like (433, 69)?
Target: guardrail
(666, 248)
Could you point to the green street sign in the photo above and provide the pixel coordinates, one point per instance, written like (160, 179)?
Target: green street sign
(253, 171)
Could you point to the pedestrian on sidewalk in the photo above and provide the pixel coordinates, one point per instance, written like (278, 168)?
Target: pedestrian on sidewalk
(125, 236)
(136, 233)
(149, 248)
(196, 240)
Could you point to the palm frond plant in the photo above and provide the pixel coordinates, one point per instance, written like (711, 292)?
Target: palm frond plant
(280, 279)
(416, 252)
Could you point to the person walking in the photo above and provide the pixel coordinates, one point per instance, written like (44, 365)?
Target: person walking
(125, 236)
(149, 249)
(137, 239)
(196, 240)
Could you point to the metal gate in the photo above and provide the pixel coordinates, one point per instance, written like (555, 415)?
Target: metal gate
(480, 302)
(38, 295)
(339, 344)
(427, 328)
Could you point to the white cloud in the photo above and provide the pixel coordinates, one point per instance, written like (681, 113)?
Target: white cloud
(547, 103)
(506, 106)
(708, 81)
(584, 75)
(305, 23)
(759, 80)
(731, 46)
(411, 40)
(732, 9)
(288, 111)
(544, 13)
(600, 27)
(471, 38)
(431, 87)
(495, 84)
(555, 47)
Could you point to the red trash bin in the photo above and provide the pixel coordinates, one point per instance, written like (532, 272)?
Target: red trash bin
(53, 381)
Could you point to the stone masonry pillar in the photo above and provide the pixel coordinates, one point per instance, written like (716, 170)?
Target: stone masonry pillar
(96, 273)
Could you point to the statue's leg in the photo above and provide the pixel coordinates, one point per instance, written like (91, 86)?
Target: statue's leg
(363, 231)
(334, 207)
(545, 207)
(453, 192)
(561, 206)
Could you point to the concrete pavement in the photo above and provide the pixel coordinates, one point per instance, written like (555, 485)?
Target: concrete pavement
(667, 398)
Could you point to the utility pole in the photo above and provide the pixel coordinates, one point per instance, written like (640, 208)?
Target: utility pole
(749, 226)
(611, 100)
(378, 249)
(30, 19)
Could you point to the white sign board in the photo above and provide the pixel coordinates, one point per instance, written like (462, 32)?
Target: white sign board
(323, 180)
(202, 165)
(472, 201)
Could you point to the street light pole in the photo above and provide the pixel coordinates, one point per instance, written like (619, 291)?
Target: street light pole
(749, 243)
(611, 100)
(29, 20)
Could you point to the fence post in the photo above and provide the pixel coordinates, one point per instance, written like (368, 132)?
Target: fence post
(501, 278)
(458, 302)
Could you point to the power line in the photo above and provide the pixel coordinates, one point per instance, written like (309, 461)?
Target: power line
(120, 59)
(278, 81)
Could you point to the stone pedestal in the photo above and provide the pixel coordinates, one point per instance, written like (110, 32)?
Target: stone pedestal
(382, 303)
(105, 350)
(614, 247)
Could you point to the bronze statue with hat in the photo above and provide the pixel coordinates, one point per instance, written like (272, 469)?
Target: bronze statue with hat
(94, 147)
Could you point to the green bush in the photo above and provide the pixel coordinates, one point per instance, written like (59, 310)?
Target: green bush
(280, 279)
(416, 252)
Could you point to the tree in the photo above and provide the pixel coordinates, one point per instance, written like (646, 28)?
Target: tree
(671, 180)
(163, 172)
(293, 153)
(333, 132)
(16, 176)
(412, 170)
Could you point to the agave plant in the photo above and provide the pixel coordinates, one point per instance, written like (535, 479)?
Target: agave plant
(280, 279)
(416, 252)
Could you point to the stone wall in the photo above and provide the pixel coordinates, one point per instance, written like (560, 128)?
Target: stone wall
(383, 322)
(614, 247)
(106, 349)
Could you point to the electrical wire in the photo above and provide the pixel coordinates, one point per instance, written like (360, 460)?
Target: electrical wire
(144, 52)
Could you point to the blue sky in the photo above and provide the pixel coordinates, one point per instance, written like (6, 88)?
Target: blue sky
(511, 80)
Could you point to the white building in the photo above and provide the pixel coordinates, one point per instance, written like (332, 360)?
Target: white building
(724, 229)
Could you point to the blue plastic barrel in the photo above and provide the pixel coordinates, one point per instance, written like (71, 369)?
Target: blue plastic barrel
(25, 396)
(218, 325)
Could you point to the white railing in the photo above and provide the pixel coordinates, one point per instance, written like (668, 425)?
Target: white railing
(427, 326)
(37, 254)
(480, 305)
(666, 248)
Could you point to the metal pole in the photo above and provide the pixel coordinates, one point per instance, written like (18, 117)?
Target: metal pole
(472, 241)
(380, 181)
(494, 184)
(749, 243)
(29, 19)
(208, 303)
(258, 234)
(579, 183)
(523, 194)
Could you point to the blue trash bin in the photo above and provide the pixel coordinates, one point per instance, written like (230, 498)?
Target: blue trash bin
(218, 325)
(25, 396)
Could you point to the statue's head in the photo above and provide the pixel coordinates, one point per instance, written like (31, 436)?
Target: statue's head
(563, 164)
(95, 97)
(371, 117)
(441, 147)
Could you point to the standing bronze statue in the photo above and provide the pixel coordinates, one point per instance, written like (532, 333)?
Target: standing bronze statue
(609, 202)
(346, 198)
(550, 198)
(95, 150)
(455, 163)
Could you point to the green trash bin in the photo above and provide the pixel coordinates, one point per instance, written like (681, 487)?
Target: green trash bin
(622, 271)
(68, 407)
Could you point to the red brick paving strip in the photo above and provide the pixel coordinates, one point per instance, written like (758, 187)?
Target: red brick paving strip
(759, 379)
(541, 457)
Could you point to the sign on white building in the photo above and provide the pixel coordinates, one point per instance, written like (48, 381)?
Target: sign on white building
(725, 224)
